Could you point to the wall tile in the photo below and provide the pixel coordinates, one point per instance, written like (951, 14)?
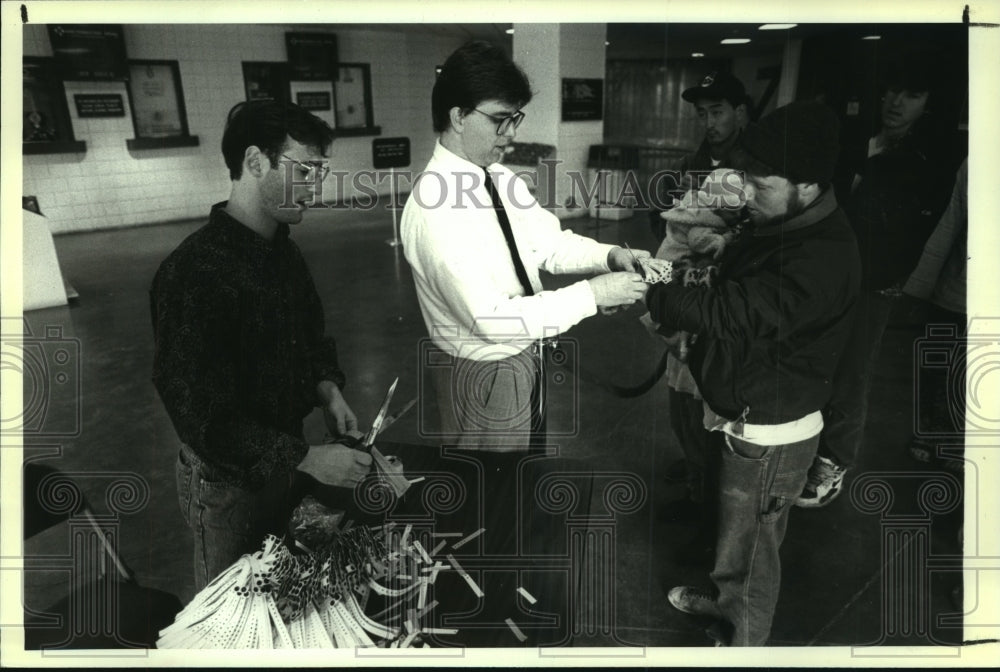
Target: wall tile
(146, 187)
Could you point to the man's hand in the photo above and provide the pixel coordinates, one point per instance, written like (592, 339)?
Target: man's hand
(617, 289)
(340, 419)
(620, 259)
(336, 465)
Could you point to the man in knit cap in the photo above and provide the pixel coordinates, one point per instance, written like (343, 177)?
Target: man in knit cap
(770, 332)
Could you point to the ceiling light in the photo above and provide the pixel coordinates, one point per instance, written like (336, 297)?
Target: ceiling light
(735, 40)
(777, 26)
(607, 44)
(872, 37)
(509, 31)
(697, 54)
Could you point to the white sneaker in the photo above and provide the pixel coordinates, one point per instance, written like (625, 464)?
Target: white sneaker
(824, 483)
(695, 601)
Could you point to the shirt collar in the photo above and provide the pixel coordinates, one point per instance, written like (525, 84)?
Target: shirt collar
(818, 210)
(239, 234)
(454, 163)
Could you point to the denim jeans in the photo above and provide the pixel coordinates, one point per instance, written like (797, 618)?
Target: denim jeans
(757, 487)
(228, 522)
(845, 414)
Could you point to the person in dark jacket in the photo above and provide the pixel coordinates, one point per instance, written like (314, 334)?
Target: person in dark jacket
(898, 195)
(770, 333)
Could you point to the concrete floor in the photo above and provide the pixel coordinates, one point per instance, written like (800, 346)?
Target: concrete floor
(836, 559)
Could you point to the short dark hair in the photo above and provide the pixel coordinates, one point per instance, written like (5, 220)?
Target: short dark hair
(916, 71)
(267, 124)
(475, 72)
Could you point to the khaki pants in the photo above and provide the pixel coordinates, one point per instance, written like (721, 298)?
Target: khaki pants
(492, 405)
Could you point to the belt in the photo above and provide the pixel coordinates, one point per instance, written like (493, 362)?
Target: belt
(550, 343)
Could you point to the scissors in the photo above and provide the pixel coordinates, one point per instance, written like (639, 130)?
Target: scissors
(382, 421)
(642, 270)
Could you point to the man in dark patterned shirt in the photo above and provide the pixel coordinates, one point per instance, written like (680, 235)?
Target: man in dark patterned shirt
(241, 356)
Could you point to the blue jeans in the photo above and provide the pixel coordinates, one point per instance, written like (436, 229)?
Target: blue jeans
(757, 487)
(228, 522)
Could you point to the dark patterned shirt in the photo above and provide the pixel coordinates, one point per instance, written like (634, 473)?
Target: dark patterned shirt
(240, 348)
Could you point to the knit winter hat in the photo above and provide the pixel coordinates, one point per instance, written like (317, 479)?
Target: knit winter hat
(799, 142)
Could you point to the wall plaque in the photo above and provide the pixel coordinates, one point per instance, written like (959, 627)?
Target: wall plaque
(582, 99)
(314, 101)
(312, 56)
(390, 153)
(89, 51)
(99, 105)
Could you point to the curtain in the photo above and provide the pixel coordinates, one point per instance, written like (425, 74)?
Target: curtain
(644, 105)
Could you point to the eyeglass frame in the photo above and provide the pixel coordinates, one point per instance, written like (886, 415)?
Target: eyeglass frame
(514, 119)
(320, 166)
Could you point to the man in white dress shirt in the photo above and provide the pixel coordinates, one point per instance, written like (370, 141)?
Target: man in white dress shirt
(476, 239)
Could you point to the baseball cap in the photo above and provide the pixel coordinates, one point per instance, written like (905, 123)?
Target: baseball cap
(719, 85)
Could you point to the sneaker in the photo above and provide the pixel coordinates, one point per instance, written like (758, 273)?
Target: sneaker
(824, 483)
(921, 451)
(927, 453)
(693, 600)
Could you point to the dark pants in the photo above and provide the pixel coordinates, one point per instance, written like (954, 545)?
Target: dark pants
(227, 522)
(845, 414)
(757, 487)
(941, 389)
(687, 420)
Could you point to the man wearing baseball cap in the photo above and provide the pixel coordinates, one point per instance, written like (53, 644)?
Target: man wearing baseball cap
(770, 333)
(721, 102)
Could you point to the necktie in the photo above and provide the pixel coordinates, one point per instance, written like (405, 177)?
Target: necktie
(538, 420)
(508, 234)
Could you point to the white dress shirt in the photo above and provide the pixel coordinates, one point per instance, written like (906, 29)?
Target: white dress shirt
(472, 302)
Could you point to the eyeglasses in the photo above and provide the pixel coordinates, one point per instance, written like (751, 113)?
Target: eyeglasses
(504, 123)
(313, 169)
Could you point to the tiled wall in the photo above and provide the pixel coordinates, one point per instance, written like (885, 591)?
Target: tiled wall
(110, 186)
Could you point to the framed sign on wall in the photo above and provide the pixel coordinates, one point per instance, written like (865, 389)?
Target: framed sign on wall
(312, 56)
(266, 80)
(582, 99)
(156, 98)
(47, 126)
(87, 52)
(354, 96)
